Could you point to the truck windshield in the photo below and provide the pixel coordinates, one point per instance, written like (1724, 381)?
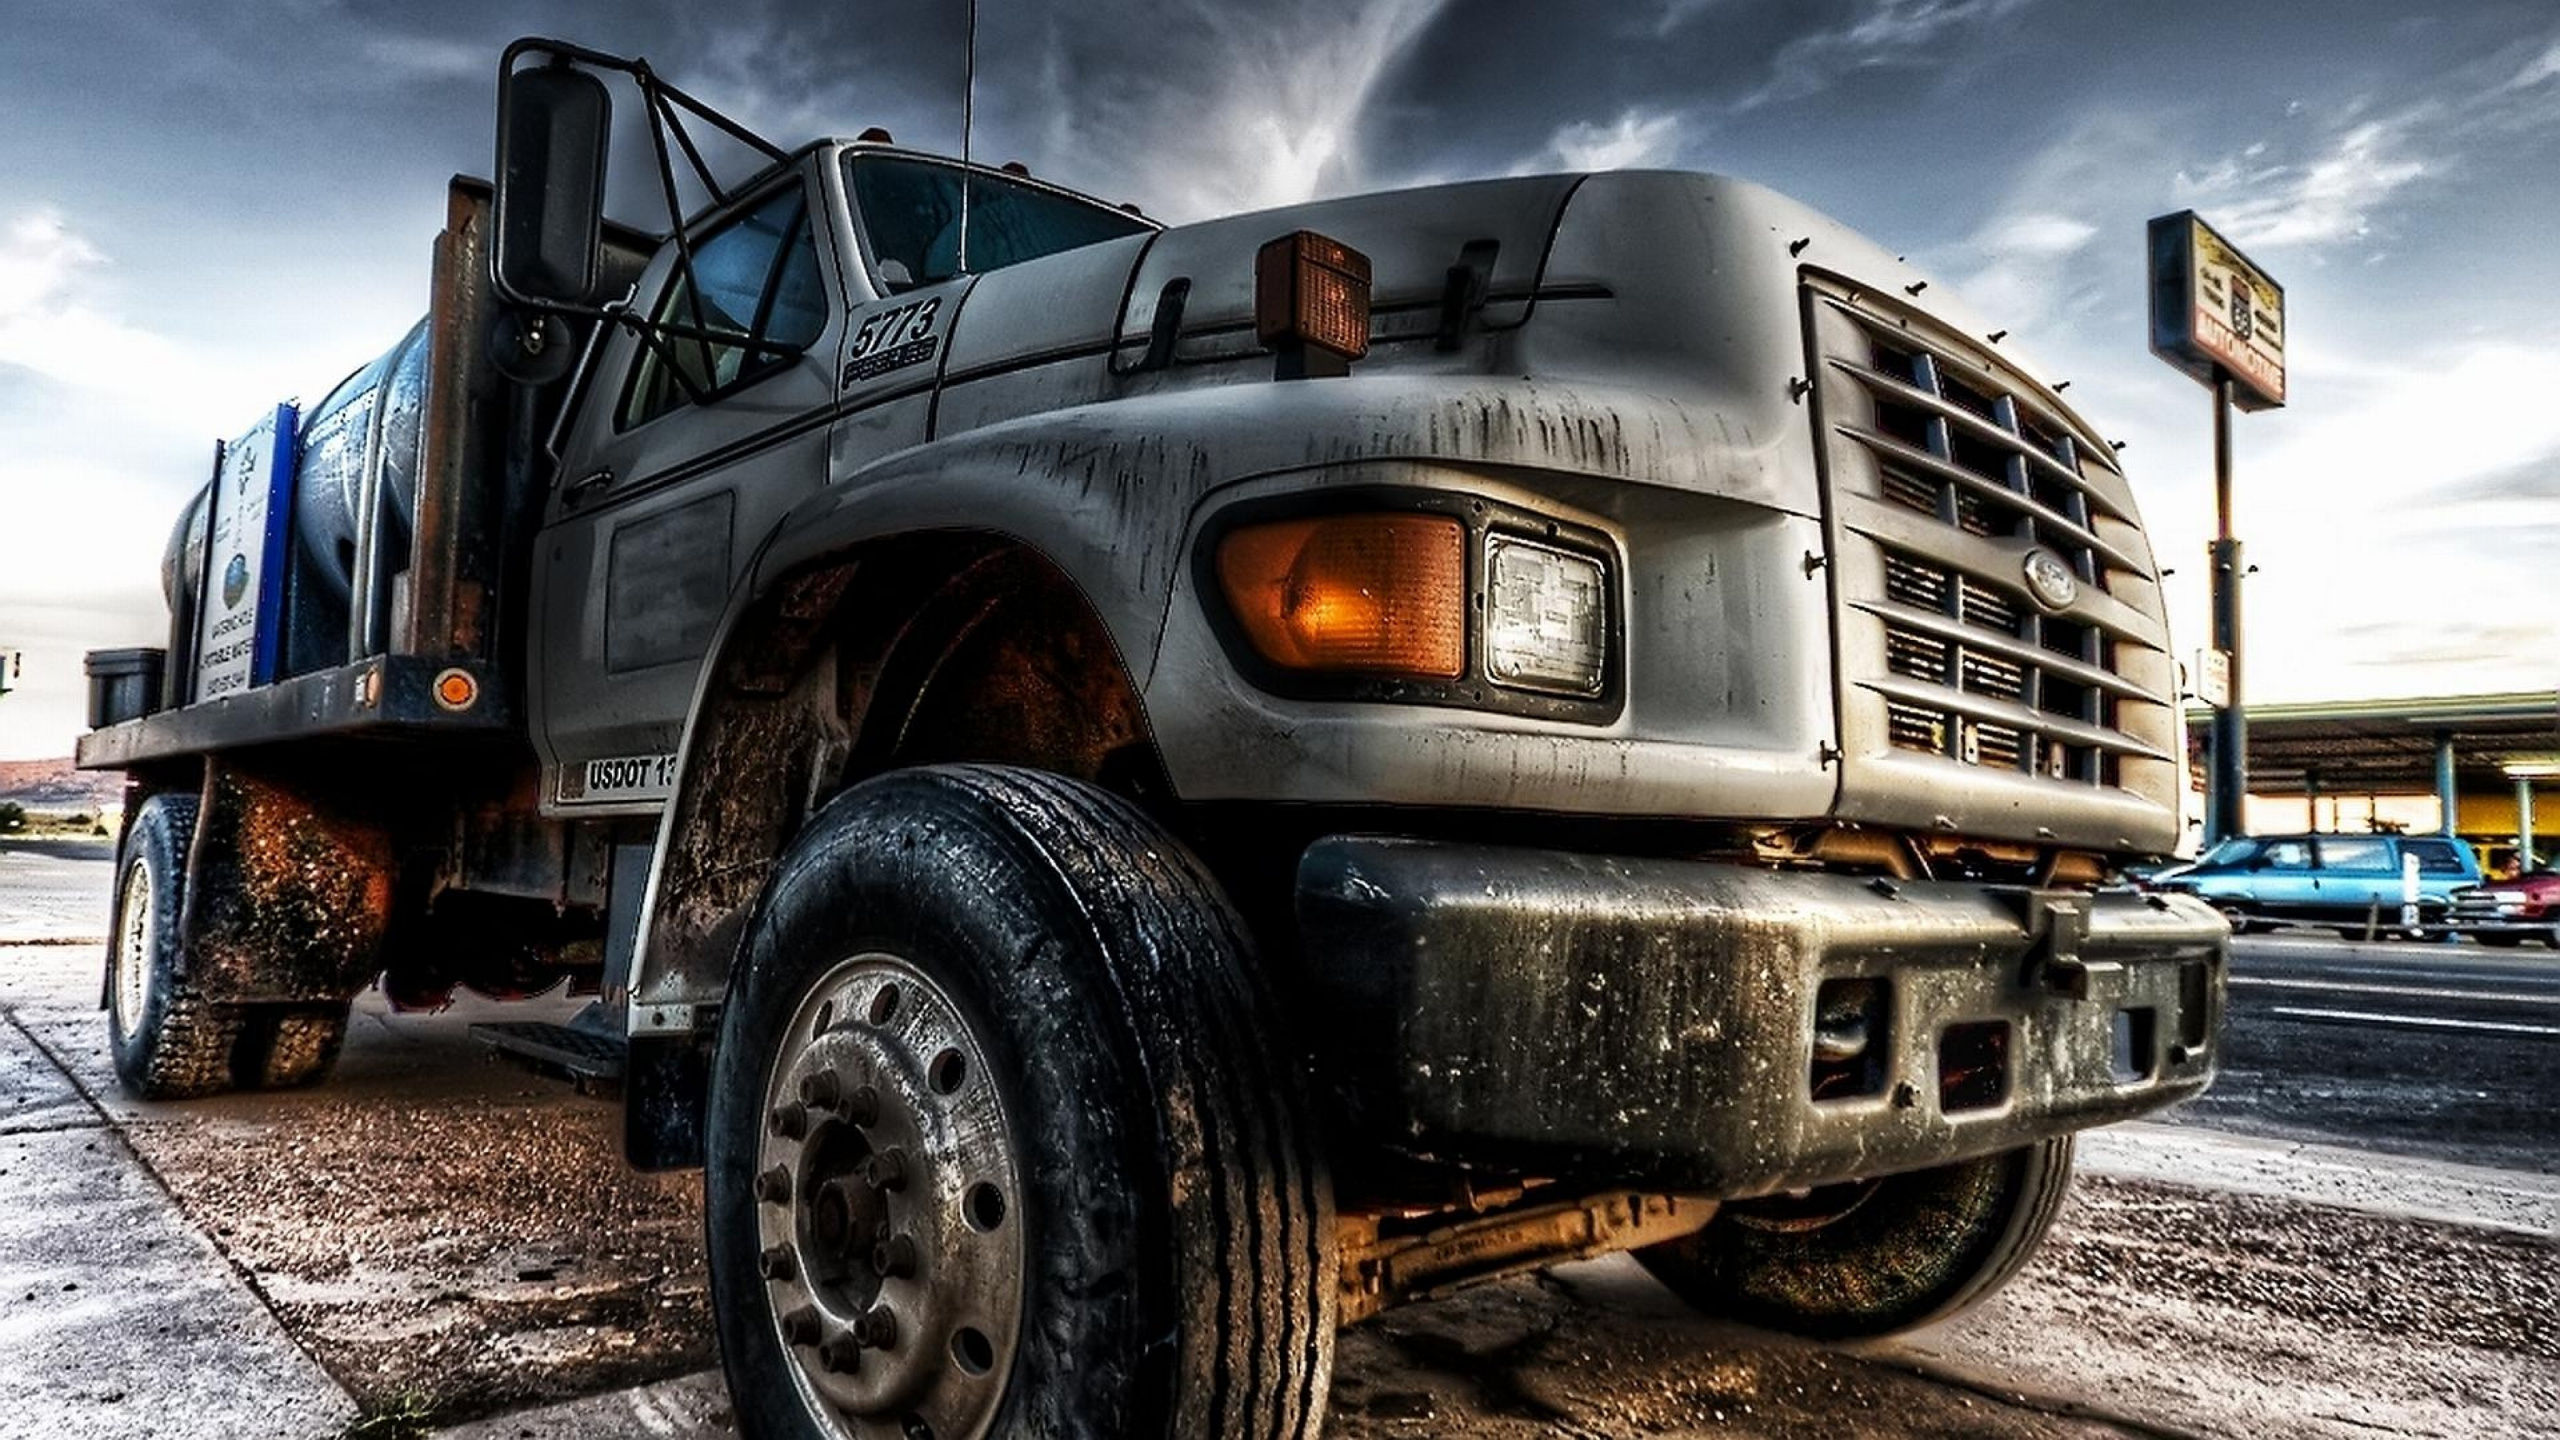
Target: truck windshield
(910, 209)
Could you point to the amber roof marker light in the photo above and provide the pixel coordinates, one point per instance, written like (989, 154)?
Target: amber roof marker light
(1311, 304)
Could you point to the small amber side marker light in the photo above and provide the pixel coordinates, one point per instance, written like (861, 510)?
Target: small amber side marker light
(456, 690)
(1377, 594)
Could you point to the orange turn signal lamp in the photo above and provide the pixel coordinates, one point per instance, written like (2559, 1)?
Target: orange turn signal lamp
(1380, 594)
(456, 689)
(1311, 293)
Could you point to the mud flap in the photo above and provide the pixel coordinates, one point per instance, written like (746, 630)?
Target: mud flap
(665, 1084)
(288, 898)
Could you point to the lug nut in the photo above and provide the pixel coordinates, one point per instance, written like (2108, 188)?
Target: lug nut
(894, 1257)
(822, 1089)
(775, 1263)
(875, 1328)
(773, 1187)
(862, 1107)
(791, 1121)
(886, 1169)
(840, 1355)
(800, 1327)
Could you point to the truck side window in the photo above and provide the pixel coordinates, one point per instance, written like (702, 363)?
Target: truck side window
(758, 278)
(911, 211)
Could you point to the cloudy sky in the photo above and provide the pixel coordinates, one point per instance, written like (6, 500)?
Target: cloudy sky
(206, 208)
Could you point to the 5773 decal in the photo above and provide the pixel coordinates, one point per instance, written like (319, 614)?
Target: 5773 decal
(892, 340)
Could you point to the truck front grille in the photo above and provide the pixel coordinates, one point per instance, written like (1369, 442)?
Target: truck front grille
(1946, 469)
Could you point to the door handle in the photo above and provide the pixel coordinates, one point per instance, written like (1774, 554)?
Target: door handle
(579, 492)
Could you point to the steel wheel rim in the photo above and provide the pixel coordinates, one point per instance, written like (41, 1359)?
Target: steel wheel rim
(135, 932)
(1800, 1214)
(887, 1200)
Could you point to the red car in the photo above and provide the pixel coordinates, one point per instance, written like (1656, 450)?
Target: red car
(2508, 912)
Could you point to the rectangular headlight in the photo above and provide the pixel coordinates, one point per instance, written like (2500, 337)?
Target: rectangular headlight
(1546, 617)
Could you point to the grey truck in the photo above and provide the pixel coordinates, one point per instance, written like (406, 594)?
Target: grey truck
(1137, 795)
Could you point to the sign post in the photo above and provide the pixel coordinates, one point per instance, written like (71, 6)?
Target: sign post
(2220, 319)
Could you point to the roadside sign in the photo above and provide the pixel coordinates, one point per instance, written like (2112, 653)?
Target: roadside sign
(2213, 677)
(2214, 314)
(238, 629)
(8, 670)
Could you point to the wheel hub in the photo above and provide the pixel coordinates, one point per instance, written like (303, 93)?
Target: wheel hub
(885, 1190)
(133, 947)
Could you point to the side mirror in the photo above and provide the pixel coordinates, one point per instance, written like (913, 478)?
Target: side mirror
(553, 126)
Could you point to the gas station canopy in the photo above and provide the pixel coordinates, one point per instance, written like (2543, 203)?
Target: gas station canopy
(2388, 747)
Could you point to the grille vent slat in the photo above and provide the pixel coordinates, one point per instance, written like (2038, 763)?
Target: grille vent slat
(1947, 434)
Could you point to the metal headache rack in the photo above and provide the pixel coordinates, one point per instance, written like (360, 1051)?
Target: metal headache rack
(1950, 477)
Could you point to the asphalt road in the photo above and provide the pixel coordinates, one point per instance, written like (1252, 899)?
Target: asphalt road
(55, 889)
(2440, 1051)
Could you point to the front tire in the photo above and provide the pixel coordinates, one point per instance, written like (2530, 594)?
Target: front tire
(1872, 1257)
(169, 1042)
(1002, 1140)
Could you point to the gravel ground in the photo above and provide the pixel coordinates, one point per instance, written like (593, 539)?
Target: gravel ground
(471, 1258)
(451, 1239)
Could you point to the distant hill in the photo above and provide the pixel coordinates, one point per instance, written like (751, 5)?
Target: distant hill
(52, 785)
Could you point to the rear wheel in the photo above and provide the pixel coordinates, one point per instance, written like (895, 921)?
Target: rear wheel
(169, 1042)
(1871, 1257)
(1002, 1140)
(2240, 918)
(283, 1047)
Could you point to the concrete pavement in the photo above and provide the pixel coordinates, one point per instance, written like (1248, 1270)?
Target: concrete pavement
(118, 1316)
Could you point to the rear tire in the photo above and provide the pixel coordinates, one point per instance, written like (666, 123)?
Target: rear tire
(1874, 1257)
(1115, 1217)
(168, 1041)
(286, 1047)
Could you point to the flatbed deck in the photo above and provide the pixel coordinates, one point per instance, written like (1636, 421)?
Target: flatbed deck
(386, 697)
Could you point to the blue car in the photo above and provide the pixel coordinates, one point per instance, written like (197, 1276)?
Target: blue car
(2341, 880)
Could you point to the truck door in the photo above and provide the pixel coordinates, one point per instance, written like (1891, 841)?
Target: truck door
(682, 455)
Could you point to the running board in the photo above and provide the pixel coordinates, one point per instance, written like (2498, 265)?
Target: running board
(572, 1052)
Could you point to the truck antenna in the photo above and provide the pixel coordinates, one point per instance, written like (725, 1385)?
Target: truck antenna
(968, 109)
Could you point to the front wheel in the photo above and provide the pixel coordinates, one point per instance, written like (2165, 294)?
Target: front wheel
(1871, 1257)
(1002, 1140)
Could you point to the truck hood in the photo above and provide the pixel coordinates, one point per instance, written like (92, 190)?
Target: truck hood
(1107, 295)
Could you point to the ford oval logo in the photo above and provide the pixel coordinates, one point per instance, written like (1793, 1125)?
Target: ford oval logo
(2051, 579)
